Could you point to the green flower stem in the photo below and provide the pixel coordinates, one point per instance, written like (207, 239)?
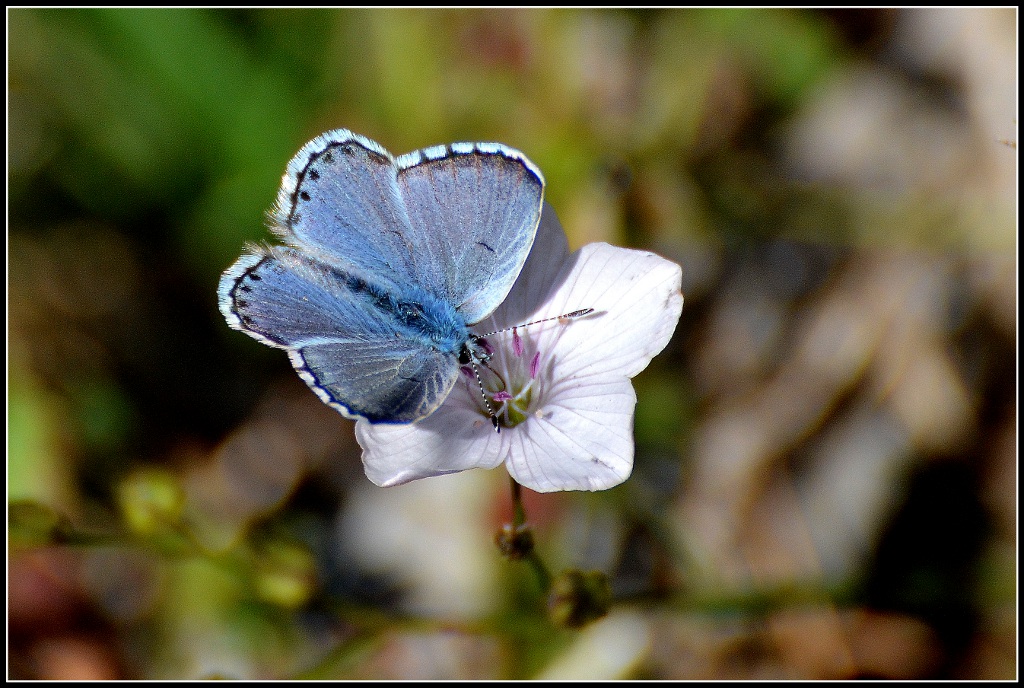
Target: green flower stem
(518, 521)
(342, 657)
(372, 626)
(542, 572)
(518, 512)
(175, 542)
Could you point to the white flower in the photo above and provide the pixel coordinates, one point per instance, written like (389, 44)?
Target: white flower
(561, 389)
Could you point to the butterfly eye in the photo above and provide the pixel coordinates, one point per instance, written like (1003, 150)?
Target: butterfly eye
(476, 349)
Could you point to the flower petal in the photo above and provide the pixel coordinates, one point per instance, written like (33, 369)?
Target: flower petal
(453, 438)
(581, 441)
(636, 300)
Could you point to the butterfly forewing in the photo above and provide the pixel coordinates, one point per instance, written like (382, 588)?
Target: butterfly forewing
(340, 202)
(477, 207)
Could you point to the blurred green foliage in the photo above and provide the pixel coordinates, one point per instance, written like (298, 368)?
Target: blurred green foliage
(145, 147)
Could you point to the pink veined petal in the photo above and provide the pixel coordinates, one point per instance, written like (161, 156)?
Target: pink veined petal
(636, 300)
(581, 441)
(454, 438)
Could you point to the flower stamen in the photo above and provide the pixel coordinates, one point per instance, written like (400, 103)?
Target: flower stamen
(510, 384)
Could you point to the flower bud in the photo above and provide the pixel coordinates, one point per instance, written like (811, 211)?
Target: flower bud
(578, 597)
(515, 542)
(286, 574)
(149, 499)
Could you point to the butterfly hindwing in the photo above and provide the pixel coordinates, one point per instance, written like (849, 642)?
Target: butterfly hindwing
(343, 335)
(377, 381)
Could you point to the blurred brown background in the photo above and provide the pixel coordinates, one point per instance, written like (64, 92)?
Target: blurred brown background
(825, 480)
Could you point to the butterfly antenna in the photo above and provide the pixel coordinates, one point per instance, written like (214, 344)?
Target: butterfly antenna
(565, 317)
(483, 395)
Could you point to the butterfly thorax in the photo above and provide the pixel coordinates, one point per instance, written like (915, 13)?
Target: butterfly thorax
(434, 320)
(420, 316)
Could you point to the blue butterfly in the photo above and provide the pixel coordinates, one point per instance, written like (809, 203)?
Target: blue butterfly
(387, 263)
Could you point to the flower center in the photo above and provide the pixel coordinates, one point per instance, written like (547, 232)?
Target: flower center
(509, 381)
